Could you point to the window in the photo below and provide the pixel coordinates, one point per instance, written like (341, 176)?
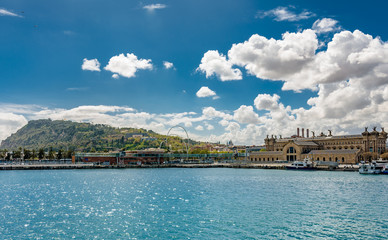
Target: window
(291, 150)
(324, 159)
(291, 154)
(343, 159)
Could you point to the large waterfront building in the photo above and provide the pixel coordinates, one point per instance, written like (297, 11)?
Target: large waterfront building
(348, 149)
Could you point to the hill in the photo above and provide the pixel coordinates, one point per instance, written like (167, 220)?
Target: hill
(86, 137)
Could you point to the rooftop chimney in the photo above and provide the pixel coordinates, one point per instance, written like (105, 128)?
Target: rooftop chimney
(297, 132)
(302, 132)
(307, 133)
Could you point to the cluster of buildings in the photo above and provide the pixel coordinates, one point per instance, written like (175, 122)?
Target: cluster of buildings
(149, 156)
(345, 149)
(348, 149)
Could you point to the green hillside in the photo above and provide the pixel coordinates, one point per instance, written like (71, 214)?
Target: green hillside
(68, 135)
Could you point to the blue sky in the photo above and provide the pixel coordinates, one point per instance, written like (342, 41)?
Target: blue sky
(103, 62)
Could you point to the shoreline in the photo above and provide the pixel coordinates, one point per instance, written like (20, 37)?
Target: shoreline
(342, 168)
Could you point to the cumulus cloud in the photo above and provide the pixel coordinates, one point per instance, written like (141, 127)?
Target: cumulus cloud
(245, 114)
(168, 65)
(91, 65)
(296, 61)
(127, 65)
(115, 76)
(5, 12)
(213, 63)
(211, 112)
(325, 25)
(199, 128)
(266, 102)
(10, 123)
(209, 126)
(285, 14)
(205, 92)
(153, 7)
(276, 59)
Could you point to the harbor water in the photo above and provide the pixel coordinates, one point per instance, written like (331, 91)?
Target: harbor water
(176, 203)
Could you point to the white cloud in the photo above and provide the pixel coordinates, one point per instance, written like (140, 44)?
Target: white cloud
(213, 63)
(115, 76)
(5, 12)
(91, 65)
(211, 112)
(296, 61)
(266, 102)
(224, 123)
(205, 92)
(276, 59)
(209, 126)
(10, 123)
(246, 115)
(325, 25)
(168, 65)
(128, 65)
(152, 7)
(285, 14)
(199, 128)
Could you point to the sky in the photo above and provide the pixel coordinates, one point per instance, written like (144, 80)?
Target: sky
(224, 70)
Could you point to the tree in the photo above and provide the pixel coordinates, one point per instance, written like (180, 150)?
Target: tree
(41, 154)
(33, 154)
(69, 154)
(3, 153)
(51, 153)
(27, 154)
(59, 154)
(17, 154)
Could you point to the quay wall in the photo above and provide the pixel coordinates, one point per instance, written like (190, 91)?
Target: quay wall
(218, 165)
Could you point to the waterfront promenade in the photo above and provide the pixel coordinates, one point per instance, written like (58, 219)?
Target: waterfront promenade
(48, 166)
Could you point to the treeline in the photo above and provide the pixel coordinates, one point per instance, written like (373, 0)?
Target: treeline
(35, 154)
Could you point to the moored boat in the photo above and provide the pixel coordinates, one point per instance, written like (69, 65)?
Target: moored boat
(306, 164)
(373, 168)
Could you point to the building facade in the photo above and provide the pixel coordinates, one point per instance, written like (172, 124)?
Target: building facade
(348, 149)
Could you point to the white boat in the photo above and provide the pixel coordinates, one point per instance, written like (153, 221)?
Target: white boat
(306, 164)
(372, 168)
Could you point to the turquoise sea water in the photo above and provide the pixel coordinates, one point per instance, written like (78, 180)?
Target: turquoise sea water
(192, 204)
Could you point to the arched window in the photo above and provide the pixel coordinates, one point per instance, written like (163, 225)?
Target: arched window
(343, 159)
(291, 154)
(291, 150)
(324, 159)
